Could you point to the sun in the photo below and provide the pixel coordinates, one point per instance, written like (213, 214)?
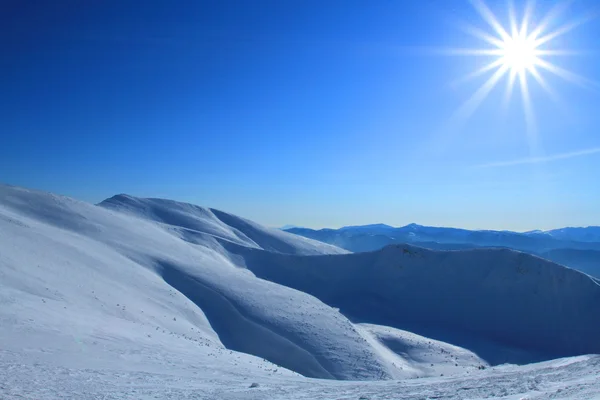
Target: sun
(519, 50)
(519, 54)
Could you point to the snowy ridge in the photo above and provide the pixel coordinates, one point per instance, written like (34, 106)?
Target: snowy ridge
(218, 224)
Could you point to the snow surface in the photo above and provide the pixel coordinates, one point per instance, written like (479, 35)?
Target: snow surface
(532, 308)
(149, 298)
(193, 219)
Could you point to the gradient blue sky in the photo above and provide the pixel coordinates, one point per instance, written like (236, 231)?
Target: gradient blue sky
(315, 113)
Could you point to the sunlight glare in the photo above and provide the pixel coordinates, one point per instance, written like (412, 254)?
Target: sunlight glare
(519, 53)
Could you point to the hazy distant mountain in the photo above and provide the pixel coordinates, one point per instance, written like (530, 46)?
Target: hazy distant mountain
(372, 229)
(286, 227)
(573, 247)
(587, 234)
(372, 237)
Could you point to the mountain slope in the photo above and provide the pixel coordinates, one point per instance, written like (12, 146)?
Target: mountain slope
(461, 297)
(136, 280)
(587, 261)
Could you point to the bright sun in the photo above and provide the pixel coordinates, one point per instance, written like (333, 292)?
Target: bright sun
(519, 53)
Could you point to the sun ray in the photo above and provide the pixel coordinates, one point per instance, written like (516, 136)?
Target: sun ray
(510, 84)
(561, 52)
(480, 34)
(568, 75)
(540, 80)
(512, 16)
(472, 104)
(489, 17)
(529, 6)
(477, 73)
(531, 130)
(471, 52)
(562, 30)
(554, 13)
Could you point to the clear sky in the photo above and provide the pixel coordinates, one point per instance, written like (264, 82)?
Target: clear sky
(315, 113)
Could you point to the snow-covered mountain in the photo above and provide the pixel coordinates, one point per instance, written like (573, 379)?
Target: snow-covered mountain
(580, 234)
(374, 237)
(286, 227)
(150, 298)
(570, 243)
(372, 229)
(496, 295)
(164, 274)
(198, 223)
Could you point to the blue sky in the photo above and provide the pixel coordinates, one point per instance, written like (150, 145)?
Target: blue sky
(319, 114)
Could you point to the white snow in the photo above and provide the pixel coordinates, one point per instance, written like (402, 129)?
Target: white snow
(192, 222)
(418, 356)
(505, 305)
(149, 298)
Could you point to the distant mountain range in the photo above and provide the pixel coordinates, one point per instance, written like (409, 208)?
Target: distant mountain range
(574, 247)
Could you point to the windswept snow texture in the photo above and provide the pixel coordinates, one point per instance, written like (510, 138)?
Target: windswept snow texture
(199, 220)
(149, 298)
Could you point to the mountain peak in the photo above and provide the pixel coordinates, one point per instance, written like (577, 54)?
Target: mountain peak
(366, 227)
(412, 226)
(117, 198)
(286, 227)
